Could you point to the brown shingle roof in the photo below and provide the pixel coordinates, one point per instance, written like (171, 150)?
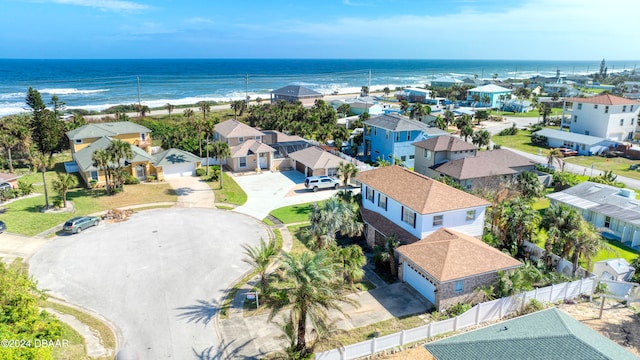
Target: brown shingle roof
(418, 192)
(449, 255)
(484, 164)
(445, 143)
(250, 147)
(386, 227)
(233, 128)
(606, 99)
(316, 158)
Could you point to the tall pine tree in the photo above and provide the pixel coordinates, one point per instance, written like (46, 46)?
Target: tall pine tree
(46, 129)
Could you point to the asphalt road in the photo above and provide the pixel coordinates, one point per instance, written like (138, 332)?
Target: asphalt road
(158, 276)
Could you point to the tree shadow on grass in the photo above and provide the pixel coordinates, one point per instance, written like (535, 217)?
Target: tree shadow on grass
(204, 311)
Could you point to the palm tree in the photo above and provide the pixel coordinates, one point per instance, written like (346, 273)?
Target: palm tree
(329, 218)
(188, 113)
(346, 171)
(486, 99)
(392, 245)
(101, 160)
(440, 123)
(42, 161)
(516, 222)
(404, 106)
(476, 99)
(561, 223)
(529, 185)
(494, 76)
(555, 155)
(350, 260)
(386, 91)
(120, 151)
(308, 289)
(209, 129)
(481, 115)
(8, 141)
(344, 109)
(62, 184)
(466, 132)
(261, 257)
(364, 91)
(169, 108)
(220, 150)
(204, 106)
(199, 125)
(481, 138)
(588, 243)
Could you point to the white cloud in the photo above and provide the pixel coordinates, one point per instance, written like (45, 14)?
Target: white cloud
(199, 20)
(112, 5)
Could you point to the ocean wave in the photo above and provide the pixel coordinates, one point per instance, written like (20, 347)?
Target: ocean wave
(15, 95)
(70, 91)
(12, 108)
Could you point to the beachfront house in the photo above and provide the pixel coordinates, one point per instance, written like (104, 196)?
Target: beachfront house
(445, 82)
(447, 267)
(294, 93)
(494, 93)
(360, 105)
(413, 95)
(397, 201)
(605, 116)
(613, 211)
(87, 139)
(390, 136)
(248, 151)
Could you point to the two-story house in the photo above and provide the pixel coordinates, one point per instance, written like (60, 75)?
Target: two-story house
(492, 91)
(391, 136)
(439, 150)
(294, 93)
(605, 116)
(248, 152)
(87, 139)
(399, 201)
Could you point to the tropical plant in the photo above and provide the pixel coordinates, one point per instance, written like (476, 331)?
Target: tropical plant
(25, 187)
(481, 138)
(513, 222)
(188, 113)
(481, 115)
(308, 288)
(102, 159)
(330, 217)
(466, 132)
(344, 109)
(208, 130)
(46, 130)
(62, 184)
(42, 161)
(205, 107)
(346, 171)
(120, 151)
(562, 224)
(220, 150)
(529, 185)
(386, 91)
(607, 177)
(170, 108)
(555, 155)
(261, 257)
(350, 260)
(392, 244)
(364, 91)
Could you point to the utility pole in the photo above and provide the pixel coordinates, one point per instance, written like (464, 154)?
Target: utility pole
(139, 104)
(246, 88)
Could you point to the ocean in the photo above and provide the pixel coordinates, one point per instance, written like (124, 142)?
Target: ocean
(99, 84)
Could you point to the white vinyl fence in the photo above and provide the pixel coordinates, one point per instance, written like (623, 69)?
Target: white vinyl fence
(483, 312)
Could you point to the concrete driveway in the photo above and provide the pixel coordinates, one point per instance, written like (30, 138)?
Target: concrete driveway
(158, 276)
(271, 190)
(192, 192)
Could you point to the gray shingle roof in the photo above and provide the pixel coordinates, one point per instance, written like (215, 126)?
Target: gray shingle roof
(233, 128)
(445, 143)
(316, 158)
(569, 136)
(85, 162)
(297, 91)
(395, 122)
(106, 129)
(547, 334)
(484, 164)
(250, 147)
(174, 156)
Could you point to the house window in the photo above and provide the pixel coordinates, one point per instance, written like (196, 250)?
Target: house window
(143, 137)
(606, 109)
(93, 175)
(375, 131)
(575, 118)
(437, 220)
(367, 130)
(607, 221)
(240, 139)
(621, 122)
(459, 286)
(586, 132)
(408, 135)
(382, 201)
(332, 171)
(471, 215)
(411, 157)
(258, 138)
(397, 137)
(403, 158)
(624, 108)
(595, 106)
(409, 216)
(632, 121)
(78, 141)
(370, 194)
(386, 134)
(242, 162)
(427, 154)
(579, 106)
(631, 108)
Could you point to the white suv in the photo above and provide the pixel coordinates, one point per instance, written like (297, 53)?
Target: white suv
(321, 182)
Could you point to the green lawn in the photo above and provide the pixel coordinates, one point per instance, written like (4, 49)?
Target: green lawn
(293, 213)
(298, 246)
(521, 141)
(591, 90)
(530, 114)
(617, 250)
(24, 216)
(619, 165)
(231, 192)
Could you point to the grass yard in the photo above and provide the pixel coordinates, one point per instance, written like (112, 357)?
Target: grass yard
(521, 141)
(530, 114)
(293, 213)
(298, 246)
(617, 250)
(619, 165)
(231, 192)
(24, 216)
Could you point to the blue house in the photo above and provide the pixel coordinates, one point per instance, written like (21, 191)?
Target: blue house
(492, 91)
(390, 136)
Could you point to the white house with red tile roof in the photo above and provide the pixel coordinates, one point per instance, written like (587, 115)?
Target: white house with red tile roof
(398, 201)
(447, 266)
(604, 116)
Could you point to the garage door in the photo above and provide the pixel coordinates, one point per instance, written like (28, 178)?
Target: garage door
(421, 284)
(300, 167)
(185, 169)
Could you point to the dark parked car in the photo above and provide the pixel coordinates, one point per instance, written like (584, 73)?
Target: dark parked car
(77, 224)
(3, 227)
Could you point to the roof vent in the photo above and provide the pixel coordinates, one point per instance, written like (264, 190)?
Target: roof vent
(628, 193)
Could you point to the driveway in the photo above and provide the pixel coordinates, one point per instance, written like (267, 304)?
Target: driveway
(158, 276)
(192, 192)
(271, 190)
(13, 246)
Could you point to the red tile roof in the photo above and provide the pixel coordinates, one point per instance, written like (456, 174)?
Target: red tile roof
(418, 192)
(449, 255)
(605, 99)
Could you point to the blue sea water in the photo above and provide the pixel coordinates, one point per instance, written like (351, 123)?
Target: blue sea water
(98, 84)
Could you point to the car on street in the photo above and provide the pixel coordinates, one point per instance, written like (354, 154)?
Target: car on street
(77, 224)
(321, 182)
(566, 152)
(5, 186)
(3, 227)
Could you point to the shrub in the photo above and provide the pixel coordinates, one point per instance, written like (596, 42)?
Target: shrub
(200, 171)
(7, 194)
(538, 139)
(57, 203)
(131, 180)
(25, 188)
(533, 306)
(509, 131)
(151, 178)
(458, 309)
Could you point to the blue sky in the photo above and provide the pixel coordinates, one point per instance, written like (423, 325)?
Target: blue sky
(400, 29)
